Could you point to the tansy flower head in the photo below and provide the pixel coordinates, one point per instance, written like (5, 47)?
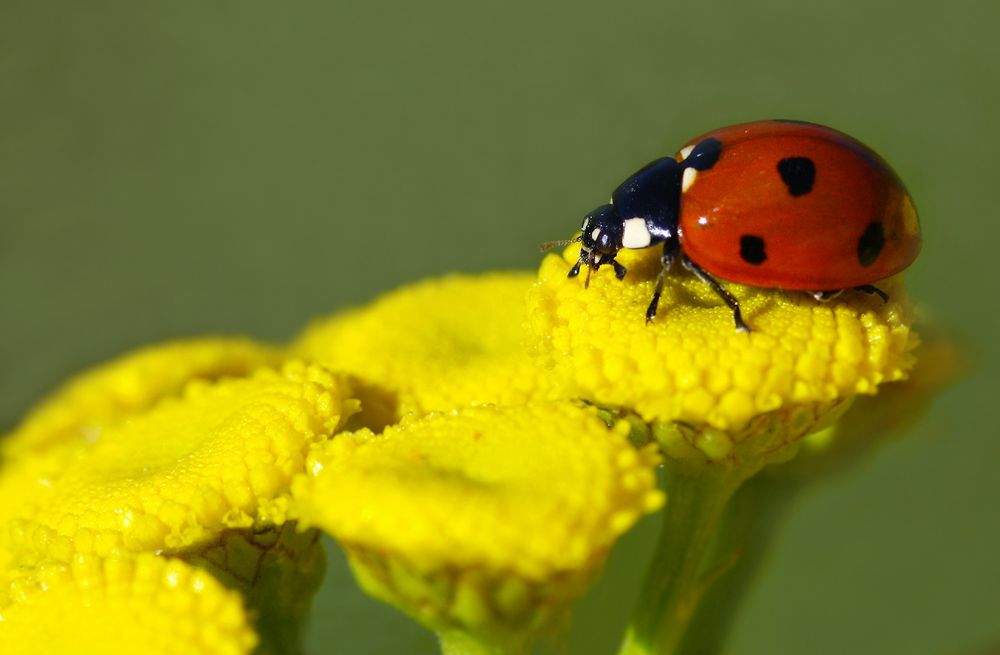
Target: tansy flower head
(146, 604)
(691, 366)
(436, 345)
(204, 476)
(104, 395)
(222, 456)
(487, 520)
(721, 403)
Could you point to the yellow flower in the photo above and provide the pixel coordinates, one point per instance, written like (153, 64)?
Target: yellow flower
(691, 366)
(147, 604)
(487, 520)
(722, 404)
(436, 345)
(222, 456)
(204, 476)
(102, 396)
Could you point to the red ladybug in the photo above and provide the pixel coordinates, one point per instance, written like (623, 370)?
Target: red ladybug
(776, 204)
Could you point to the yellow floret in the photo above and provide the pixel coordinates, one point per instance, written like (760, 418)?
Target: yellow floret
(221, 456)
(481, 517)
(691, 365)
(436, 345)
(146, 605)
(103, 396)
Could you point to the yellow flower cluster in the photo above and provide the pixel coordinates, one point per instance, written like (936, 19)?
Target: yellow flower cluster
(448, 435)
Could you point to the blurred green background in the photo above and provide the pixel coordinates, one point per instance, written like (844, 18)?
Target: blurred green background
(178, 168)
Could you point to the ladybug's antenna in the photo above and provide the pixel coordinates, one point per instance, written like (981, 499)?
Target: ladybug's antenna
(549, 245)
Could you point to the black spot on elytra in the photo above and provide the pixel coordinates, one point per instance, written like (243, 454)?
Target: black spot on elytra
(798, 174)
(752, 249)
(871, 243)
(704, 155)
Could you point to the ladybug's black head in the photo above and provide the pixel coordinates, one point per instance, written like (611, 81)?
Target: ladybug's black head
(601, 237)
(600, 240)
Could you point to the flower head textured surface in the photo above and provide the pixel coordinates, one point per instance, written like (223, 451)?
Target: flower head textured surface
(434, 346)
(534, 490)
(98, 398)
(690, 364)
(147, 604)
(220, 456)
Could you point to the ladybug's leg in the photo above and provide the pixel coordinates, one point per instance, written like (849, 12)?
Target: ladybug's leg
(727, 297)
(825, 296)
(670, 250)
(620, 270)
(585, 257)
(872, 289)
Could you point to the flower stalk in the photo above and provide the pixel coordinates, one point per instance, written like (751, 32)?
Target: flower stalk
(704, 469)
(684, 563)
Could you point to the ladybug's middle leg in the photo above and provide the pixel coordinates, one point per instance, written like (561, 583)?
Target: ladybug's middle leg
(727, 297)
(670, 249)
(620, 270)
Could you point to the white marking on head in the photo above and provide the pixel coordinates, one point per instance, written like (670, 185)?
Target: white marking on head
(685, 152)
(596, 233)
(690, 175)
(636, 234)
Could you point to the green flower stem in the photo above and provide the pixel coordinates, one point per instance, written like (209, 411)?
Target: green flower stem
(759, 506)
(747, 527)
(459, 642)
(685, 562)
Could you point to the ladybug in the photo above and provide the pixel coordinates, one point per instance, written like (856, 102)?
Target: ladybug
(777, 204)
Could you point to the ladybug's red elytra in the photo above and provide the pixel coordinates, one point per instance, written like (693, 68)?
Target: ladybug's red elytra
(776, 204)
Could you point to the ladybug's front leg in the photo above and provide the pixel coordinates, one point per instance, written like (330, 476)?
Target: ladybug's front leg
(620, 270)
(585, 258)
